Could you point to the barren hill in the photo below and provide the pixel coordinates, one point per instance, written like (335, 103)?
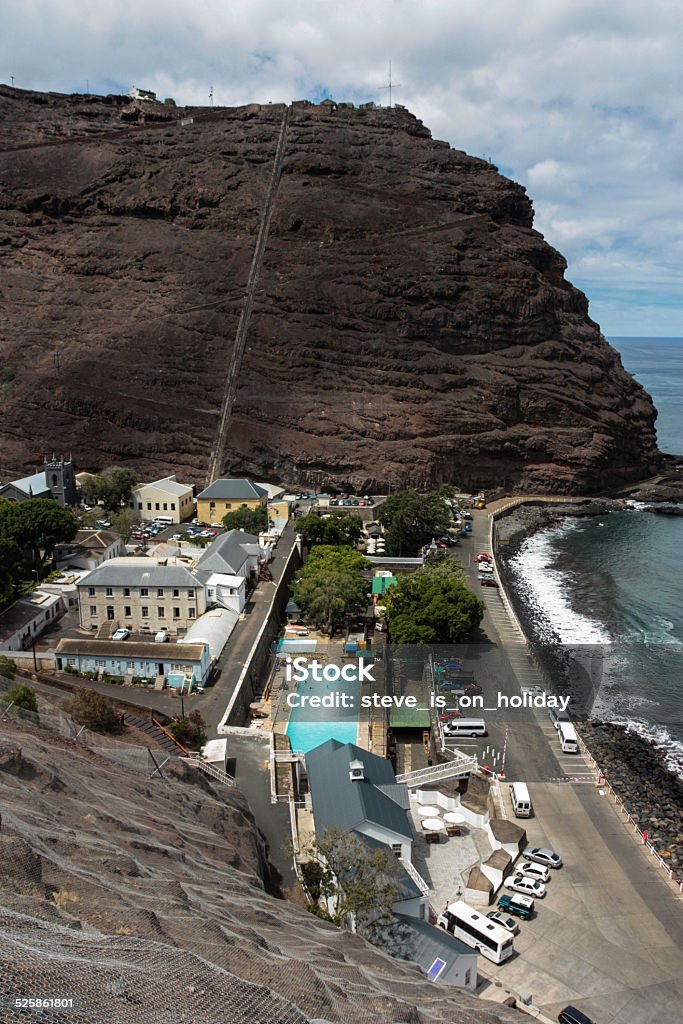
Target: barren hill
(142, 899)
(407, 324)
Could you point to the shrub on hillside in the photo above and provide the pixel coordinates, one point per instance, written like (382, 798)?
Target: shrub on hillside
(95, 711)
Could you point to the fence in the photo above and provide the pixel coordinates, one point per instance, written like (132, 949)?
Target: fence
(628, 819)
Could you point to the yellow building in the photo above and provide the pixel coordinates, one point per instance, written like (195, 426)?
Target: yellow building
(166, 498)
(223, 496)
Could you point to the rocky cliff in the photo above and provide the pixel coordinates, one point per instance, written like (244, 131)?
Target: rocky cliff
(408, 325)
(142, 899)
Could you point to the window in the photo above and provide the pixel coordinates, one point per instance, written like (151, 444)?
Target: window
(396, 849)
(176, 667)
(144, 592)
(140, 506)
(126, 591)
(100, 663)
(191, 613)
(156, 505)
(160, 591)
(110, 592)
(165, 507)
(91, 591)
(149, 506)
(190, 592)
(176, 593)
(468, 975)
(176, 613)
(173, 506)
(93, 609)
(144, 611)
(127, 612)
(161, 612)
(181, 631)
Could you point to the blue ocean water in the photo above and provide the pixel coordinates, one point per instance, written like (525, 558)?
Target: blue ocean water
(613, 583)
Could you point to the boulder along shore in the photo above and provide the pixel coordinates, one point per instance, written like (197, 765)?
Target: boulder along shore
(632, 765)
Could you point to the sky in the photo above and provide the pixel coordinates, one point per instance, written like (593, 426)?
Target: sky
(581, 101)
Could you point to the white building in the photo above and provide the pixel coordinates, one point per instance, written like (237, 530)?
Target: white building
(165, 497)
(89, 549)
(26, 619)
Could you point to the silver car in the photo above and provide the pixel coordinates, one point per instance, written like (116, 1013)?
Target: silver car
(505, 922)
(533, 870)
(541, 855)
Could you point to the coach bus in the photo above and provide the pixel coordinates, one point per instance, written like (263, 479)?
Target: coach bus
(476, 930)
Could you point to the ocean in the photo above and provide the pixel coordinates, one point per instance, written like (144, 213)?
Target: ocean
(612, 585)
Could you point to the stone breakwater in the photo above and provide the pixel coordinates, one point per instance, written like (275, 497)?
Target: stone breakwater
(651, 793)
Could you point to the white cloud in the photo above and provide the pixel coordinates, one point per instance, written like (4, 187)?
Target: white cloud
(580, 100)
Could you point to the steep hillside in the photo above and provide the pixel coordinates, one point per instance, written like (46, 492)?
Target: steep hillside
(142, 899)
(408, 324)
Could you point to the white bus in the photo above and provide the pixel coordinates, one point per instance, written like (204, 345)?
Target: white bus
(569, 741)
(476, 930)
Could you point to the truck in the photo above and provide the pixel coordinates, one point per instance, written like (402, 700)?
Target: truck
(519, 906)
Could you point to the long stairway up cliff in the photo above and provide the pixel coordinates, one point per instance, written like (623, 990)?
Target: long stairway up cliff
(408, 325)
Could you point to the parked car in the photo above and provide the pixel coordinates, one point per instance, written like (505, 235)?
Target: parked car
(528, 886)
(121, 634)
(520, 906)
(533, 870)
(488, 581)
(541, 855)
(570, 1015)
(483, 556)
(161, 637)
(440, 544)
(446, 716)
(501, 919)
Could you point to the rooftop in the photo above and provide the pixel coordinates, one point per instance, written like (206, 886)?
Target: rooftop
(227, 554)
(139, 572)
(410, 939)
(340, 802)
(132, 649)
(169, 484)
(233, 490)
(37, 483)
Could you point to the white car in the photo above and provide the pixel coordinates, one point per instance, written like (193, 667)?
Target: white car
(503, 920)
(529, 886)
(531, 870)
(485, 567)
(121, 634)
(541, 855)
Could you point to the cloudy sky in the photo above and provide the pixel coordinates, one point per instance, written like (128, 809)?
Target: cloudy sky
(579, 100)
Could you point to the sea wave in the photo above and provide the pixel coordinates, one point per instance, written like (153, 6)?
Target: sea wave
(670, 749)
(545, 590)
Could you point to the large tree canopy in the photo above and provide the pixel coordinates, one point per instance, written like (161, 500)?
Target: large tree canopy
(432, 606)
(112, 487)
(331, 586)
(411, 520)
(36, 525)
(251, 520)
(338, 529)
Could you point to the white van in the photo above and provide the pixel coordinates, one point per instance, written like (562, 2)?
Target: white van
(557, 716)
(569, 741)
(164, 520)
(465, 727)
(521, 801)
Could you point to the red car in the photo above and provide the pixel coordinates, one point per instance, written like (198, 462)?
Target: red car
(446, 716)
(488, 581)
(483, 557)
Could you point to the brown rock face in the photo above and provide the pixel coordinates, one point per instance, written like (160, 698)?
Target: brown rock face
(408, 324)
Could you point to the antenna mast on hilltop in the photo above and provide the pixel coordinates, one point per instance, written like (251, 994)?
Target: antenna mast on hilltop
(211, 95)
(391, 85)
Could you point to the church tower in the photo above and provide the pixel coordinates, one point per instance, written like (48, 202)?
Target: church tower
(61, 479)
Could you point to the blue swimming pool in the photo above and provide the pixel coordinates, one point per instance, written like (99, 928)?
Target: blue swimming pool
(309, 727)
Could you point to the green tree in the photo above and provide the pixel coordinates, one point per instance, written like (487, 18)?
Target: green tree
(22, 697)
(36, 525)
(124, 521)
(359, 885)
(190, 730)
(95, 711)
(251, 520)
(331, 585)
(8, 667)
(338, 529)
(112, 487)
(10, 567)
(432, 606)
(411, 520)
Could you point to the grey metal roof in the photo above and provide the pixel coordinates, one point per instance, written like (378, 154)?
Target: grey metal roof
(171, 486)
(132, 649)
(408, 889)
(111, 574)
(227, 553)
(339, 802)
(409, 938)
(37, 483)
(232, 490)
